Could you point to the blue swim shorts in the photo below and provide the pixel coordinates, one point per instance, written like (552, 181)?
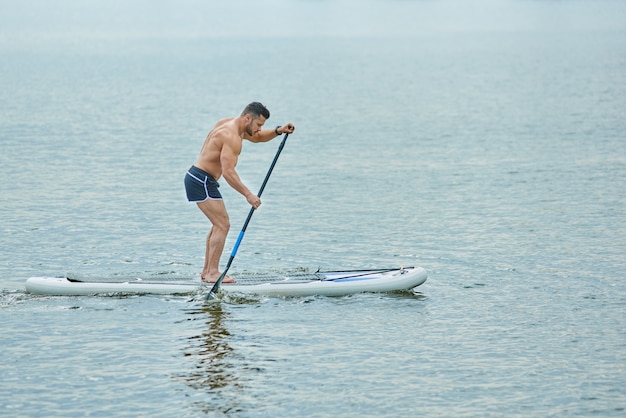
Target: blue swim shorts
(201, 186)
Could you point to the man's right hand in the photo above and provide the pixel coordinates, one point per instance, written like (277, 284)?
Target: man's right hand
(254, 200)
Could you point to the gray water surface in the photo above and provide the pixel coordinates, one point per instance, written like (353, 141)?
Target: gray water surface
(484, 142)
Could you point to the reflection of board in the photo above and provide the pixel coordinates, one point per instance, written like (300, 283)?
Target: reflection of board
(337, 283)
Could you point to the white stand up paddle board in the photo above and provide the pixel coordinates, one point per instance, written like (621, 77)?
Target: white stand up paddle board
(332, 283)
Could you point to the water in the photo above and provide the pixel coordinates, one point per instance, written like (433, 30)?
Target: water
(484, 142)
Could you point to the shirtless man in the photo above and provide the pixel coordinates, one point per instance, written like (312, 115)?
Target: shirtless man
(218, 157)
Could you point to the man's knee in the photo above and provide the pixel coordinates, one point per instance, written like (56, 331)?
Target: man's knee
(223, 226)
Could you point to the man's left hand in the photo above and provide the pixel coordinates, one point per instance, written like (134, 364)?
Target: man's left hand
(287, 128)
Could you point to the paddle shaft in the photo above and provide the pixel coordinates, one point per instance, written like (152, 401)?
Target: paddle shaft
(216, 286)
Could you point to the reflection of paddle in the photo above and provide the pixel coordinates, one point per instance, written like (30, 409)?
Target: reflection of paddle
(216, 286)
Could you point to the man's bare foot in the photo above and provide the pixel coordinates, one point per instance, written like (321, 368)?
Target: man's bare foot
(211, 279)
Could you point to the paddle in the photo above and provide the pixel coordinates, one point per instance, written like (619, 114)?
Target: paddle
(216, 286)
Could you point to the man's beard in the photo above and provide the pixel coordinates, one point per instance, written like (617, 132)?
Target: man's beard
(249, 129)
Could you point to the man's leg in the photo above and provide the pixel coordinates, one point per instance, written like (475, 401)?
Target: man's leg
(215, 211)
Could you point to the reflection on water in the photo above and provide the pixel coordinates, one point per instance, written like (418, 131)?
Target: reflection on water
(213, 369)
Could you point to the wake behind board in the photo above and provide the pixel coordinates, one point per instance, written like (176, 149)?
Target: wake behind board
(331, 283)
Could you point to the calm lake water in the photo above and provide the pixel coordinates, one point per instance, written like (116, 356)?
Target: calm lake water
(484, 141)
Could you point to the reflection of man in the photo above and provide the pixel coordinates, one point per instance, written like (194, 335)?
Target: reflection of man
(218, 157)
(213, 355)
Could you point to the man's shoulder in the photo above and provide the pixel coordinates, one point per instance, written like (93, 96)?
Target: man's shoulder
(223, 121)
(226, 135)
(224, 131)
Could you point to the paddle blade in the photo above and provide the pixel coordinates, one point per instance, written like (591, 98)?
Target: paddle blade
(213, 292)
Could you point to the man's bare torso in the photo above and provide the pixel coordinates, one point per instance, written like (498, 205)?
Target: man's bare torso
(209, 158)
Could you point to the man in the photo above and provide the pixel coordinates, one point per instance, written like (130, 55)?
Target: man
(218, 157)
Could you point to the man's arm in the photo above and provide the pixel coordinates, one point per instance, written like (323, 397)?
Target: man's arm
(269, 134)
(228, 159)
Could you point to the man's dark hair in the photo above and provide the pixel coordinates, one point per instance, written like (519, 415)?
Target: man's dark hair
(256, 109)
